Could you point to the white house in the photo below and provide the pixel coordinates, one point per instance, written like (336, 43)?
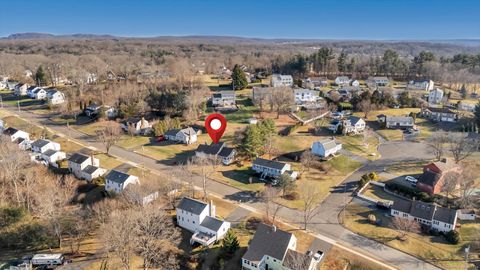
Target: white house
(426, 85)
(78, 162)
(91, 78)
(140, 125)
(21, 89)
(270, 168)
(199, 218)
(92, 172)
(377, 81)
(435, 96)
(47, 259)
(41, 145)
(39, 93)
(223, 99)
(462, 106)
(278, 80)
(30, 90)
(3, 85)
(326, 148)
(55, 97)
(342, 80)
(396, 122)
(185, 136)
(438, 218)
(355, 83)
(218, 150)
(467, 214)
(305, 96)
(352, 125)
(94, 109)
(440, 114)
(272, 248)
(15, 134)
(12, 85)
(52, 156)
(116, 181)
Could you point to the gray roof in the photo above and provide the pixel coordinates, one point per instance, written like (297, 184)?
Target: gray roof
(266, 241)
(269, 163)
(10, 131)
(78, 158)
(50, 152)
(216, 149)
(440, 110)
(328, 144)
(402, 205)
(399, 118)
(40, 143)
(187, 131)
(354, 120)
(446, 215)
(296, 260)
(116, 176)
(211, 223)
(90, 169)
(422, 210)
(473, 135)
(191, 205)
(429, 178)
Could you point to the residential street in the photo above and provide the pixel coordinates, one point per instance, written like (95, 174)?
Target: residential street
(325, 224)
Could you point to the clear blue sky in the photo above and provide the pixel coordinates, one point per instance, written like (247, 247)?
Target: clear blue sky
(334, 19)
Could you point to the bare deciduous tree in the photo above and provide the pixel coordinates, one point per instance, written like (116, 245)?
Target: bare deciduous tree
(460, 146)
(366, 107)
(109, 135)
(310, 198)
(307, 159)
(437, 142)
(404, 226)
(271, 207)
(206, 166)
(282, 99)
(450, 183)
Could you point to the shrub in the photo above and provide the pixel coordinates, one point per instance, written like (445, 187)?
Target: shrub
(11, 215)
(252, 223)
(292, 196)
(373, 176)
(99, 181)
(372, 219)
(453, 237)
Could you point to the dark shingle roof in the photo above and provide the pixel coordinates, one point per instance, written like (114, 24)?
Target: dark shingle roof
(266, 241)
(422, 210)
(10, 131)
(296, 260)
(116, 176)
(429, 178)
(226, 152)
(402, 205)
(269, 163)
(172, 132)
(90, 169)
(40, 143)
(446, 215)
(191, 205)
(440, 110)
(212, 149)
(211, 223)
(354, 120)
(49, 152)
(78, 158)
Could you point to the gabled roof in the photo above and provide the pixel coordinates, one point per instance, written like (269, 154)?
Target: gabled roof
(268, 241)
(90, 169)
(191, 205)
(444, 165)
(10, 131)
(212, 223)
(212, 149)
(402, 205)
(117, 177)
(226, 152)
(440, 110)
(422, 210)
(78, 158)
(429, 178)
(296, 260)
(399, 119)
(49, 152)
(446, 215)
(269, 163)
(40, 143)
(327, 144)
(354, 120)
(187, 131)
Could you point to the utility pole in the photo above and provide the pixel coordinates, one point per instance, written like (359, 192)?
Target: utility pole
(143, 163)
(18, 105)
(1, 102)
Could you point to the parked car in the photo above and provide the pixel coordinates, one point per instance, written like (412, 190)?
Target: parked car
(160, 138)
(411, 179)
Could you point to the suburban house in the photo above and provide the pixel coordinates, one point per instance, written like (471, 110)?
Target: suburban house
(55, 97)
(94, 109)
(352, 125)
(185, 136)
(373, 82)
(440, 114)
(278, 80)
(426, 85)
(77, 163)
(39, 93)
(342, 80)
(272, 248)
(313, 82)
(437, 218)
(431, 181)
(15, 134)
(139, 124)
(355, 83)
(223, 99)
(435, 96)
(21, 89)
(396, 122)
(199, 218)
(92, 172)
(273, 169)
(218, 150)
(305, 96)
(30, 90)
(52, 156)
(463, 106)
(12, 85)
(41, 145)
(326, 148)
(116, 181)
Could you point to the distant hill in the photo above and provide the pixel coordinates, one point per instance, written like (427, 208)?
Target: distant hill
(51, 36)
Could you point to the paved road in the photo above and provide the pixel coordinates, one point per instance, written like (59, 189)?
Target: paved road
(325, 225)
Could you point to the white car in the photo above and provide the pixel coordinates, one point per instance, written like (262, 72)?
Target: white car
(411, 179)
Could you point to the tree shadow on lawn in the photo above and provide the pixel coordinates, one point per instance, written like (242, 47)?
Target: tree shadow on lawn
(178, 159)
(244, 196)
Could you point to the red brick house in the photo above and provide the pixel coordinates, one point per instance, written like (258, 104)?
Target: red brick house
(431, 181)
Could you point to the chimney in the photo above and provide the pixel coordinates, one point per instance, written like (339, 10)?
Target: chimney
(92, 159)
(212, 209)
(274, 228)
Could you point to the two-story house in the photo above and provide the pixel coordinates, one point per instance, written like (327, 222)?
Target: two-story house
(223, 99)
(279, 80)
(139, 125)
(272, 169)
(351, 125)
(199, 218)
(41, 145)
(426, 85)
(304, 96)
(53, 156)
(55, 97)
(437, 218)
(326, 148)
(217, 150)
(374, 82)
(85, 167)
(15, 134)
(440, 114)
(185, 135)
(116, 181)
(342, 80)
(275, 249)
(435, 96)
(20, 89)
(432, 179)
(396, 122)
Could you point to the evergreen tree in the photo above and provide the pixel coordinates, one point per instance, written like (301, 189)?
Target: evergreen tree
(287, 184)
(342, 62)
(230, 244)
(477, 114)
(40, 76)
(239, 80)
(251, 144)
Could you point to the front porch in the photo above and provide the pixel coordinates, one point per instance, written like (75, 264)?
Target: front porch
(202, 238)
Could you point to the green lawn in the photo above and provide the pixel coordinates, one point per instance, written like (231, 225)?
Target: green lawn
(35, 131)
(391, 134)
(433, 249)
(344, 164)
(356, 145)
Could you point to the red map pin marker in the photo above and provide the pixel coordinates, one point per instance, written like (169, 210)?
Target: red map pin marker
(215, 125)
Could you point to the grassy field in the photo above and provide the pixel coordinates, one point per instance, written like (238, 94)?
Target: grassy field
(357, 146)
(377, 193)
(433, 249)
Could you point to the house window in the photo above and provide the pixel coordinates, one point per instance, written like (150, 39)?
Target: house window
(193, 222)
(405, 215)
